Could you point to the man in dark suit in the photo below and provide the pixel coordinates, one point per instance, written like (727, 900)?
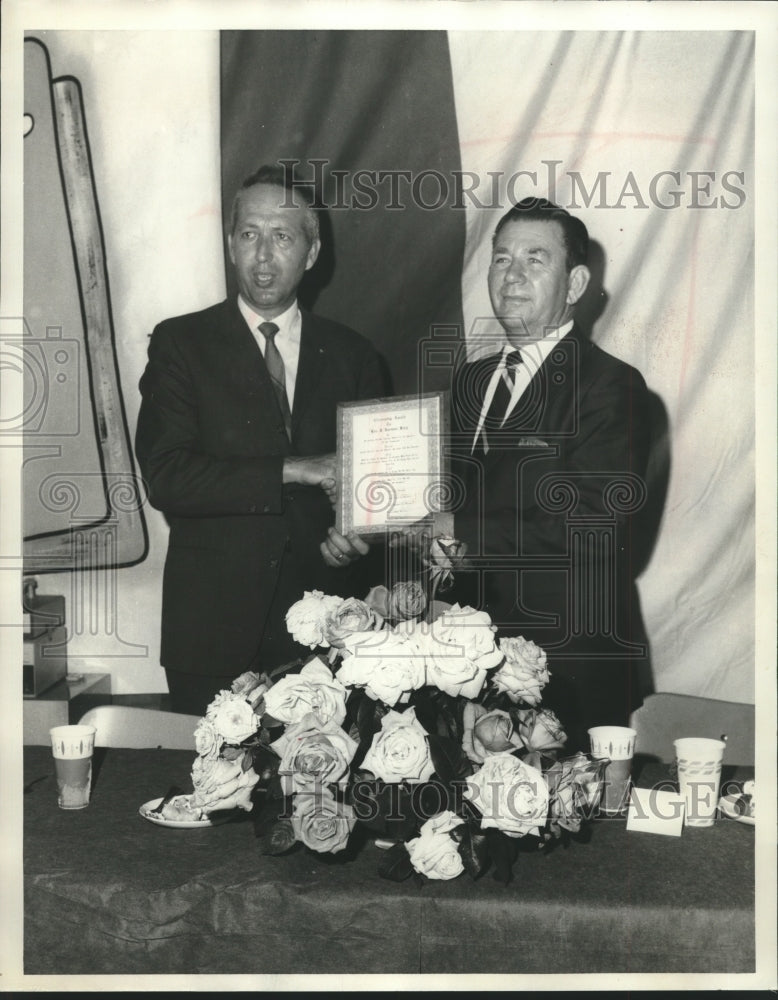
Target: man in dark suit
(236, 438)
(551, 444)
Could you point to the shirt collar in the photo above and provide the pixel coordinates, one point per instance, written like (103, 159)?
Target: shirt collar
(286, 322)
(540, 349)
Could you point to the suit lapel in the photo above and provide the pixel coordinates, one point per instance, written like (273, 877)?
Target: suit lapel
(245, 364)
(239, 341)
(545, 402)
(310, 368)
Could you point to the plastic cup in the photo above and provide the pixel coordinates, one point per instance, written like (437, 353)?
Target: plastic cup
(72, 747)
(617, 744)
(699, 776)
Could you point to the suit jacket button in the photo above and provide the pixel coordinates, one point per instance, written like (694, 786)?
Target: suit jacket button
(253, 509)
(266, 509)
(273, 563)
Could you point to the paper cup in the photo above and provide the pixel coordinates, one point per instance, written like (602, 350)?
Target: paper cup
(72, 747)
(699, 776)
(617, 744)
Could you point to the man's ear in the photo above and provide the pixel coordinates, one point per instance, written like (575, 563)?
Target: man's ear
(229, 245)
(313, 253)
(577, 282)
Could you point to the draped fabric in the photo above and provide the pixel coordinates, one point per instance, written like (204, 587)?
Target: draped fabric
(378, 103)
(649, 138)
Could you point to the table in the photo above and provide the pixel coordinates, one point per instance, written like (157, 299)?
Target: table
(108, 892)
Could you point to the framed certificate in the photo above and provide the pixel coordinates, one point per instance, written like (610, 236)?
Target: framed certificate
(392, 463)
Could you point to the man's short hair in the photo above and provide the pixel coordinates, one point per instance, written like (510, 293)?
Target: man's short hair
(278, 176)
(574, 231)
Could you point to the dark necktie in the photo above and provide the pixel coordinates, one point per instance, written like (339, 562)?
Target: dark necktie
(501, 399)
(275, 368)
(503, 390)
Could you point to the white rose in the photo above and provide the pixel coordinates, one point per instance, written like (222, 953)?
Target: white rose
(386, 665)
(314, 689)
(471, 631)
(399, 752)
(510, 795)
(306, 620)
(222, 784)
(434, 853)
(232, 717)
(524, 673)
(458, 648)
(207, 740)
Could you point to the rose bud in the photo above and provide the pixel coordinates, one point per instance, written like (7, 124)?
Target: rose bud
(494, 730)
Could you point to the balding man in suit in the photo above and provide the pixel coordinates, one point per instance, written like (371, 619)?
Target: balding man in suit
(236, 438)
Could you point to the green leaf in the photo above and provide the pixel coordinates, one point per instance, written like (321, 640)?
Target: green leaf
(265, 763)
(366, 724)
(502, 851)
(447, 758)
(396, 864)
(292, 667)
(473, 849)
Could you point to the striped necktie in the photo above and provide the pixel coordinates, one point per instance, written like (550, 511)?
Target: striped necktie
(498, 407)
(275, 368)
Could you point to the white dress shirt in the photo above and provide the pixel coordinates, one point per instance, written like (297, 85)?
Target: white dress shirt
(532, 357)
(287, 340)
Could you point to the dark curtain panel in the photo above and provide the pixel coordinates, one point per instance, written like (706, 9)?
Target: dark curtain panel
(366, 103)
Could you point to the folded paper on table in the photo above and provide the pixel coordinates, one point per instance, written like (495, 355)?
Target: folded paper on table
(652, 810)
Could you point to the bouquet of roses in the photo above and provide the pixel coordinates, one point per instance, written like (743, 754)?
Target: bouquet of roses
(419, 726)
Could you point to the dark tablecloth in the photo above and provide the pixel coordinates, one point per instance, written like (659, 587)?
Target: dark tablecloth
(108, 892)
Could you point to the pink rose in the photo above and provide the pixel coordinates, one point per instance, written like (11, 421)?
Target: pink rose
(321, 822)
(446, 554)
(378, 600)
(407, 600)
(312, 755)
(575, 786)
(250, 686)
(486, 732)
(540, 729)
(349, 617)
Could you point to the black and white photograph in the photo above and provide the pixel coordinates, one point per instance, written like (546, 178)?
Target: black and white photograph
(387, 428)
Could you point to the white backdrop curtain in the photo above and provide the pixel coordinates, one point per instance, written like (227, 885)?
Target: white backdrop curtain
(614, 110)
